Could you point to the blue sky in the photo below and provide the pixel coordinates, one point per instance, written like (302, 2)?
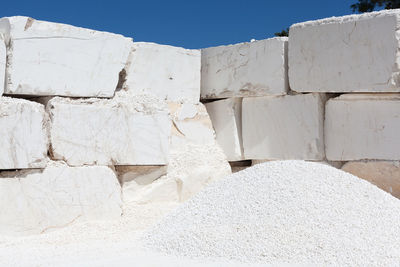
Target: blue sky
(190, 24)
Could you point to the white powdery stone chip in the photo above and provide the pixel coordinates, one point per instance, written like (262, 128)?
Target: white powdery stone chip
(46, 58)
(356, 53)
(226, 117)
(108, 132)
(363, 126)
(246, 69)
(38, 201)
(23, 134)
(171, 73)
(284, 127)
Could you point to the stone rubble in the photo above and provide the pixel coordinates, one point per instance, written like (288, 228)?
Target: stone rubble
(284, 213)
(195, 161)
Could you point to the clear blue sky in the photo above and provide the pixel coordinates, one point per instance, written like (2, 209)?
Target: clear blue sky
(186, 23)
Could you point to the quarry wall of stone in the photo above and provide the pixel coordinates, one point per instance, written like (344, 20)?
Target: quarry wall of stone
(92, 120)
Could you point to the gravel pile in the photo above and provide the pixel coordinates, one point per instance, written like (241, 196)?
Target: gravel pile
(285, 212)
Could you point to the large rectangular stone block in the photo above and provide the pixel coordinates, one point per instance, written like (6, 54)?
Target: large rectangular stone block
(226, 117)
(171, 73)
(39, 201)
(284, 127)
(357, 53)
(23, 134)
(47, 58)
(247, 69)
(363, 126)
(109, 132)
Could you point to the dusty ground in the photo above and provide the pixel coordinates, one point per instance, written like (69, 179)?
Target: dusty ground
(95, 244)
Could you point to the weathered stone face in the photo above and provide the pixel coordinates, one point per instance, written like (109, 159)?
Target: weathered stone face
(226, 117)
(384, 174)
(357, 53)
(108, 132)
(284, 127)
(3, 57)
(23, 134)
(47, 58)
(39, 201)
(247, 69)
(363, 126)
(170, 73)
(191, 124)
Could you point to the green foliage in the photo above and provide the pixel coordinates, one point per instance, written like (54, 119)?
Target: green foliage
(282, 33)
(370, 5)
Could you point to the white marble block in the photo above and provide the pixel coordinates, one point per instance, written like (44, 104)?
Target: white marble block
(23, 134)
(284, 127)
(108, 132)
(39, 201)
(356, 53)
(46, 58)
(247, 69)
(363, 126)
(3, 59)
(384, 174)
(171, 73)
(226, 117)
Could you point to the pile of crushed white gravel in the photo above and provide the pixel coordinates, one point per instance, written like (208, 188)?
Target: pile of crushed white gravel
(285, 212)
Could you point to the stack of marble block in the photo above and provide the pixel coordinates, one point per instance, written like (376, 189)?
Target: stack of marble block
(330, 92)
(83, 112)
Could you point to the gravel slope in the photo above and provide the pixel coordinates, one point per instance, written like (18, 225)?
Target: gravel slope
(285, 212)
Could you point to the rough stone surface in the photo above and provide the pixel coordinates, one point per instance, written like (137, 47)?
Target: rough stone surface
(23, 134)
(226, 117)
(135, 178)
(171, 73)
(3, 56)
(247, 69)
(126, 130)
(363, 126)
(284, 127)
(191, 124)
(195, 159)
(47, 58)
(384, 174)
(357, 53)
(37, 201)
